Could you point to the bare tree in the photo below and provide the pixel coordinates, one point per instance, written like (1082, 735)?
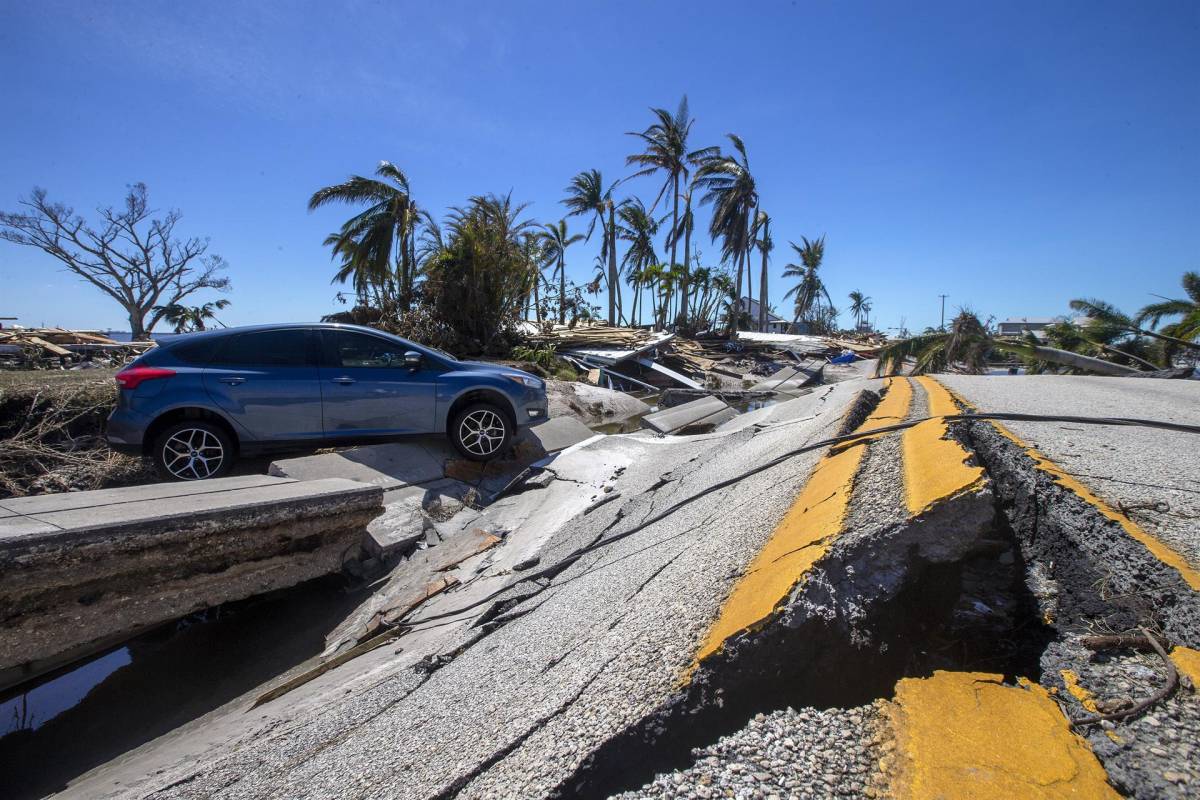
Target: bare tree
(130, 256)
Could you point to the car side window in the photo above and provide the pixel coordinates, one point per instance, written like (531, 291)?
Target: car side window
(281, 348)
(350, 349)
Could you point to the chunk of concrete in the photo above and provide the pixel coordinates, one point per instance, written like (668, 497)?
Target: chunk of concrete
(705, 413)
(82, 571)
(789, 380)
(397, 529)
(592, 405)
(557, 433)
(385, 465)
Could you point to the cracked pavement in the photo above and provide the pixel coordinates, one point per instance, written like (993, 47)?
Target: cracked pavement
(574, 673)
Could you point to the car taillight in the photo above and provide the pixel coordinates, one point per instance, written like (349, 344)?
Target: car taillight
(131, 377)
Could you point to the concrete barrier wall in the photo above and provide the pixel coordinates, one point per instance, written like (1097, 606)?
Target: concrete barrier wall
(82, 571)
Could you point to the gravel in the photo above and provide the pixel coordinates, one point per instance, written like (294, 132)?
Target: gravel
(805, 753)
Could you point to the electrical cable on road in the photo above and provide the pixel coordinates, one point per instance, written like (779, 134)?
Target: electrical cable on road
(559, 566)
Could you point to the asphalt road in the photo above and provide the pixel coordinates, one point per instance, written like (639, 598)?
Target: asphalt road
(1155, 473)
(517, 712)
(872, 563)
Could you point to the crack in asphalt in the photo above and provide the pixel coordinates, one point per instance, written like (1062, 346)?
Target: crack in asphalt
(499, 755)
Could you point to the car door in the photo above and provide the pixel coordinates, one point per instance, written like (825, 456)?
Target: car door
(369, 390)
(267, 382)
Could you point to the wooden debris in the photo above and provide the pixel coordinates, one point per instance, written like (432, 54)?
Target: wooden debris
(31, 348)
(411, 583)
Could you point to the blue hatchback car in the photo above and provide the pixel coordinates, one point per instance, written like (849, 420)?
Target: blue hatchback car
(194, 403)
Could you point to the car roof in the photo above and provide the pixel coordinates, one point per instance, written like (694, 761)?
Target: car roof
(222, 332)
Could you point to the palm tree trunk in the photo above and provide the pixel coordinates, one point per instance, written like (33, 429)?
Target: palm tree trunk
(612, 290)
(762, 289)
(562, 288)
(614, 283)
(1064, 358)
(674, 219)
(685, 287)
(537, 296)
(412, 267)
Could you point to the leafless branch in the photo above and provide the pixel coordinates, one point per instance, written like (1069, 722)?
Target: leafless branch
(132, 256)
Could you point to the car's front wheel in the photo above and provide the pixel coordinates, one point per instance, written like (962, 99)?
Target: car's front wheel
(481, 431)
(195, 450)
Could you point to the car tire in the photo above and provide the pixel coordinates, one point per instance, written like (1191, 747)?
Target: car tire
(193, 450)
(481, 432)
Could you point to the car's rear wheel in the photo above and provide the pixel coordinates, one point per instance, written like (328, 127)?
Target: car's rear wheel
(194, 450)
(481, 432)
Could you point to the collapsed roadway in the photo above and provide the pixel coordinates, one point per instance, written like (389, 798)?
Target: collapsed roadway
(919, 612)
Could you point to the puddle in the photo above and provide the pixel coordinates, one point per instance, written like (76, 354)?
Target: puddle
(754, 405)
(624, 426)
(57, 730)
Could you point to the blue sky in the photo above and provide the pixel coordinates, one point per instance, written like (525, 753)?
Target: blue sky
(1011, 155)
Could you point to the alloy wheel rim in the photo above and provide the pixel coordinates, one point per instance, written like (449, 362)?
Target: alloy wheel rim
(193, 454)
(482, 432)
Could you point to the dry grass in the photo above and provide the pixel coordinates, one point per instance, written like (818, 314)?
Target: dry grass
(51, 433)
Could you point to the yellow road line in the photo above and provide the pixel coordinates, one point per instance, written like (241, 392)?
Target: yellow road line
(1158, 549)
(1187, 661)
(892, 409)
(966, 735)
(1079, 691)
(804, 534)
(935, 465)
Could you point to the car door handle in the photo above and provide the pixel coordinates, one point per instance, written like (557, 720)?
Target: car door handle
(345, 380)
(232, 380)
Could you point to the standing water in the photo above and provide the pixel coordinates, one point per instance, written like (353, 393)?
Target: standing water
(117, 701)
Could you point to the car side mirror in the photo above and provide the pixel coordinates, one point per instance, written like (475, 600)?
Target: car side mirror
(412, 359)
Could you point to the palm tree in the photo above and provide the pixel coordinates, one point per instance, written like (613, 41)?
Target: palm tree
(367, 241)
(1108, 314)
(765, 246)
(860, 306)
(480, 280)
(1188, 326)
(809, 288)
(192, 318)
(586, 195)
(557, 241)
(967, 344)
(638, 227)
(666, 151)
(729, 186)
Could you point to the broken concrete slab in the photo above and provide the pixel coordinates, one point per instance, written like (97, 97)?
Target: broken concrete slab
(386, 465)
(790, 379)
(412, 512)
(592, 405)
(397, 530)
(707, 412)
(556, 433)
(76, 579)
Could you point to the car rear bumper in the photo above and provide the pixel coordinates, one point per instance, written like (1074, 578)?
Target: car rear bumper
(123, 435)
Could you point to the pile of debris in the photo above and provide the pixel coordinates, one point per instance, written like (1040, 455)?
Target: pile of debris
(589, 335)
(54, 348)
(638, 360)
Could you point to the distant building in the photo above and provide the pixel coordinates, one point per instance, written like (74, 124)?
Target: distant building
(1016, 326)
(775, 323)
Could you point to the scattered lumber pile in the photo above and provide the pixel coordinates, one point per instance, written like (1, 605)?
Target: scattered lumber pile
(564, 337)
(41, 348)
(636, 359)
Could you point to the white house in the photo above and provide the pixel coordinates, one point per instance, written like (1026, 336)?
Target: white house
(775, 323)
(1015, 326)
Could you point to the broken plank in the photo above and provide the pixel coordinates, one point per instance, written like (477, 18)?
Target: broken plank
(408, 587)
(670, 373)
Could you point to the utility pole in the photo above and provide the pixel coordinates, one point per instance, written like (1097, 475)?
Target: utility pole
(943, 296)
